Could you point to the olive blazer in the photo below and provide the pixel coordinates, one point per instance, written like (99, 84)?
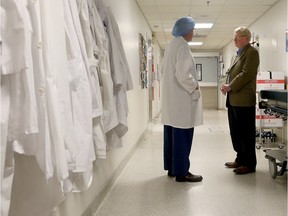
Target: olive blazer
(242, 78)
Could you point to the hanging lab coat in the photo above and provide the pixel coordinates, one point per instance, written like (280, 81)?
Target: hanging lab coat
(109, 117)
(16, 59)
(119, 65)
(17, 89)
(7, 160)
(49, 146)
(17, 96)
(182, 100)
(92, 60)
(54, 59)
(85, 89)
(119, 70)
(93, 81)
(99, 138)
(79, 88)
(38, 144)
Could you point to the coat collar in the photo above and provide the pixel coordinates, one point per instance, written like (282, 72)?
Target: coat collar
(236, 58)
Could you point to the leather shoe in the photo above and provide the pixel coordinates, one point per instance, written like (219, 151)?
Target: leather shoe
(189, 178)
(170, 174)
(243, 170)
(232, 164)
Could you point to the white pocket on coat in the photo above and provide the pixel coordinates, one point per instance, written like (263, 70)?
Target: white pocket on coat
(196, 95)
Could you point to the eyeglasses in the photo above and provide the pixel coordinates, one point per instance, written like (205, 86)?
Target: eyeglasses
(237, 37)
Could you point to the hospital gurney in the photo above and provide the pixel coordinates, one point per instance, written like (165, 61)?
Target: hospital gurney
(274, 102)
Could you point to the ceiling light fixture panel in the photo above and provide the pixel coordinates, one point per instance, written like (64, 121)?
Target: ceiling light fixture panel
(192, 43)
(203, 25)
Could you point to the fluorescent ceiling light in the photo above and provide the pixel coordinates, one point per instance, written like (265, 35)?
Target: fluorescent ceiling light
(195, 43)
(197, 26)
(203, 25)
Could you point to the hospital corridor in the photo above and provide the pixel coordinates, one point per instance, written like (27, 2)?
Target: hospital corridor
(144, 189)
(143, 107)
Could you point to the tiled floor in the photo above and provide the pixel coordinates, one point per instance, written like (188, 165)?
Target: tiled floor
(144, 189)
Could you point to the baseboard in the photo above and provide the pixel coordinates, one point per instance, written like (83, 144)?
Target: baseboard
(94, 206)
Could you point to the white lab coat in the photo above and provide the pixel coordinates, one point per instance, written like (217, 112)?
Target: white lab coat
(182, 100)
(7, 160)
(85, 95)
(18, 102)
(79, 89)
(119, 64)
(120, 72)
(29, 140)
(81, 17)
(92, 60)
(55, 59)
(16, 33)
(99, 138)
(109, 118)
(38, 144)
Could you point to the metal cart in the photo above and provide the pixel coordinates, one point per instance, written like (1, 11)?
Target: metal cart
(276, 158)
(265, 133)
(274, 102)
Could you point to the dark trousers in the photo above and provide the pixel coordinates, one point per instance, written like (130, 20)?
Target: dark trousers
(177, 147)
(242, 131)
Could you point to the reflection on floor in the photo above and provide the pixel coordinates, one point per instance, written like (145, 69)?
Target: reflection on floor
(144, 189)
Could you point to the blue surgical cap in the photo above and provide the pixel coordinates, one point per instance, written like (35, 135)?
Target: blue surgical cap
(183, 26)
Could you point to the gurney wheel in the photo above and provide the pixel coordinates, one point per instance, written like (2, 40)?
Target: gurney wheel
(273, 168)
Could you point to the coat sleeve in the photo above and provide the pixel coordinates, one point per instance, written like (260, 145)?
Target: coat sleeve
(185, 70)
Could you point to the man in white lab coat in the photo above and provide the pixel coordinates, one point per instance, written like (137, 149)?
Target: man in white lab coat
(181, 102)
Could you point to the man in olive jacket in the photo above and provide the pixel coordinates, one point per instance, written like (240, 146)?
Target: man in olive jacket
(240, 89)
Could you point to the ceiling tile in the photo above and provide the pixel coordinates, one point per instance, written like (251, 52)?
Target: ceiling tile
(225, 14)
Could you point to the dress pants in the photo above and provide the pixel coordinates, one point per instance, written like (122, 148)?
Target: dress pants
(242, 131)
(177, 147)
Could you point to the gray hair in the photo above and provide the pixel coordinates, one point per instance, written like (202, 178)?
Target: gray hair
(244, 32)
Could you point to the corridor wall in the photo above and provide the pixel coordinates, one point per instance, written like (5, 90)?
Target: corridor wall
(271, 29)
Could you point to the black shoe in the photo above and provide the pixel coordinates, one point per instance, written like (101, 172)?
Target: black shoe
(189, 178)
(170, 174)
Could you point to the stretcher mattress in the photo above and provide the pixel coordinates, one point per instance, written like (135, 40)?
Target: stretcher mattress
(277, 95)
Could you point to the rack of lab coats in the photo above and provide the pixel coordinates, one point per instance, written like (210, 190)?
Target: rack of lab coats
(64, 78)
